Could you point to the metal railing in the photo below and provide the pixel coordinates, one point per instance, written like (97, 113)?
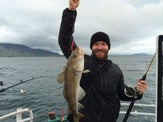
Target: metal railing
(137, 112)
(18, 113)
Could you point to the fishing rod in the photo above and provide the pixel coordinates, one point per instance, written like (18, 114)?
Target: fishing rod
(21, 82)
(136, 93)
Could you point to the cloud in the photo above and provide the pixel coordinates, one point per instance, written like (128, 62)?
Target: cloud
(127, 24)
(131, 24)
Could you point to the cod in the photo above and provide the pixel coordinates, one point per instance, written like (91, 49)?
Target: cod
(71, 76)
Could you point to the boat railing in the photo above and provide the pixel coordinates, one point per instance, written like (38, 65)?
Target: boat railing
(136, 112)
(19, 115)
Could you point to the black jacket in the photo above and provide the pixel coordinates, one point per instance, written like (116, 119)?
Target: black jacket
(104, 85)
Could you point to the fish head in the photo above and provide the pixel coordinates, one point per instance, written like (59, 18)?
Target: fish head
(76, 59)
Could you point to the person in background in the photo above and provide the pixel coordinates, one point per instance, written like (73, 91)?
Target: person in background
(104, 84)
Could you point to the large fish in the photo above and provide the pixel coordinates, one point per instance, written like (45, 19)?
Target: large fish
(71, 77)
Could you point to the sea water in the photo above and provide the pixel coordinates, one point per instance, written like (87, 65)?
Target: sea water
(44, 94)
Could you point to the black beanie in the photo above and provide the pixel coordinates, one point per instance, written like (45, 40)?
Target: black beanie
(100, 36)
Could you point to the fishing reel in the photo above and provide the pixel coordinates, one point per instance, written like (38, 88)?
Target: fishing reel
(130, 91)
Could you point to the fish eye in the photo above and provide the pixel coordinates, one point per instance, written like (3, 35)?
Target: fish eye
(74, 56)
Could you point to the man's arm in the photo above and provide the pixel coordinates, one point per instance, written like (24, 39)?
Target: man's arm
(65, 39)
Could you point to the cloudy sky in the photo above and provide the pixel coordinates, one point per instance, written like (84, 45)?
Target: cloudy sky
(132, 25)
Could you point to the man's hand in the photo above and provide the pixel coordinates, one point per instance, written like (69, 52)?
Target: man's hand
(141, 86)
(73, 4)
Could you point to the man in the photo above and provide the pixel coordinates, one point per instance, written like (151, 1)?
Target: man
(104, 84)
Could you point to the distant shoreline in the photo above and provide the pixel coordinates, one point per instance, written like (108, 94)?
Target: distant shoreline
(18, 50)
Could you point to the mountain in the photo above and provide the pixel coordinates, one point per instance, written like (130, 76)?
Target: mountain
(141, 54)
(18, 50)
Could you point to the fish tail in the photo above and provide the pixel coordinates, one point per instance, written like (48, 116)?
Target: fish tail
(77, 116)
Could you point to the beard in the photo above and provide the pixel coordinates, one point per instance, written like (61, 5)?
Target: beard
(100, 54)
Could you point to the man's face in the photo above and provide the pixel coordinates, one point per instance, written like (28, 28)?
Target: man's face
(100, 50)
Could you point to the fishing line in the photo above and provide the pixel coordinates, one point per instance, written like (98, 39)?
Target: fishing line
(21, 82)
(135, 96)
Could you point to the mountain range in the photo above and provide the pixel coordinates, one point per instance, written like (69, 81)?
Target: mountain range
(18, 50)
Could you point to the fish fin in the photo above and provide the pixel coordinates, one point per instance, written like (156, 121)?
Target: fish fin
(77, 116)
(81, 93)
(60, 77)
(64, 94)
(86, 71)
(80, 106)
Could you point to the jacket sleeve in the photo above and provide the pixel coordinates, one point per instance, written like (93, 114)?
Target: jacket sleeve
(65, 38)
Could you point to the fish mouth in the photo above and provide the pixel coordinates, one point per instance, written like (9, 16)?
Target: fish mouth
(80, 51)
